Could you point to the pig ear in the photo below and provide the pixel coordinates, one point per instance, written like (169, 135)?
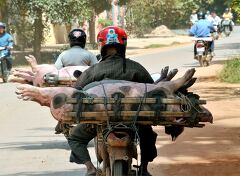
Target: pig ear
(77, 73)
(174, 131)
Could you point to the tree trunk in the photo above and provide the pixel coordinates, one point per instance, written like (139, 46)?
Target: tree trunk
(92, 29)
(38, 34)
(4, 11)
(68, 28)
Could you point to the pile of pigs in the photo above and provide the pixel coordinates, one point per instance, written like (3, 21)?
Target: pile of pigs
(54, 88)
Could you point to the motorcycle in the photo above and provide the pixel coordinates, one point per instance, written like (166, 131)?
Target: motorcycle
(4, 72)
(216, 32)
(226, 27)
(203, 55)
(117, 134)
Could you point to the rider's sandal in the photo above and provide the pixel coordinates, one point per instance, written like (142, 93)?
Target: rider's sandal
(97, 173)
(91, 174)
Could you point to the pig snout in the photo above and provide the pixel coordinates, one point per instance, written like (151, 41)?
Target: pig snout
(59, 107)
(208, 117)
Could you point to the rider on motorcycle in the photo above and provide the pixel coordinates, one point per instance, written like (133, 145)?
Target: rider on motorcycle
(114, 65)
(76, 55)
(215, 20)
(228, 16)
(208, 15)
(193, 17)
(6, 41)
(201, 29)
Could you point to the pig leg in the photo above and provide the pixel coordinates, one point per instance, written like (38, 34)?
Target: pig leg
(25, 76)
(165, 75)
(171, 74)
(173, 86)
(24, 71)
(40, 95)
(18, 80)
(43, 96)
(32, 61)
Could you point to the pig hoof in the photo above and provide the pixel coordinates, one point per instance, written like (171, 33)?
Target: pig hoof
(59, 100)
(189, 74)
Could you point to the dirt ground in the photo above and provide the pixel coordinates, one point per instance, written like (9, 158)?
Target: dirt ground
(213, 150)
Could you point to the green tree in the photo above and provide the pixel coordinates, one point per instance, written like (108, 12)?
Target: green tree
(142, 15)
(55, 11)
(235, 4)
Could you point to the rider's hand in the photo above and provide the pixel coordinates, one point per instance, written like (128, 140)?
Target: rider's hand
(8, 47)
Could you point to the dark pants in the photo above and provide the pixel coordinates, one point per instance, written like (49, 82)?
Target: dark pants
(78, 140)
(82, 134)
(9, 62)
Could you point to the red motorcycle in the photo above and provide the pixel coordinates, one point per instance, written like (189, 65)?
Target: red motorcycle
(202, 53)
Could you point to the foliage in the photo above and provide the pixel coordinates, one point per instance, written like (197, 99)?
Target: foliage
(231, 71)
(143, 15)
(105, 22)
(235, 4)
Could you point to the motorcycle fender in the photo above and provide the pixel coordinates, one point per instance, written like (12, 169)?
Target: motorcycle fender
(119, 139)
(118, 153)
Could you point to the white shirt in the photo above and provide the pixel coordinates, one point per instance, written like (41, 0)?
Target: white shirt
(215, 20)
(193, 18)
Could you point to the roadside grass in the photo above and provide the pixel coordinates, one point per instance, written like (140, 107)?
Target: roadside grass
(161, 45)
(231, 71)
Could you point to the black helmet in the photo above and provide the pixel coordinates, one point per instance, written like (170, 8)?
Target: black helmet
(227, 10)
(77, 37)
(2, 25)
(200, 15)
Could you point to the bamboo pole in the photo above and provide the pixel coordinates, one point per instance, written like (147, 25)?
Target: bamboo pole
(101, 100)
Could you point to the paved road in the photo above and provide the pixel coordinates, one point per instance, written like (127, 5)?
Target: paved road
(28, 144)
(182, 57)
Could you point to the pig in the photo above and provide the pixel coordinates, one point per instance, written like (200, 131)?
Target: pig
(36, 76)
(55, 97)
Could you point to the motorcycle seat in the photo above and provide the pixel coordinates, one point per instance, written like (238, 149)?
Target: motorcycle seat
(202, 38)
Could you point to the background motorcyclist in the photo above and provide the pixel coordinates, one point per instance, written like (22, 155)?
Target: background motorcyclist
(216, 21)
(228, 16)
(193, 17)
(6, 40)
(208, 15)
(76, 55)
(203, 28)
(114, 65)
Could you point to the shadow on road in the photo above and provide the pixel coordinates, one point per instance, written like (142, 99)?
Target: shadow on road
(217, 93)
(37, 145)
(209, 151)
(51, 173)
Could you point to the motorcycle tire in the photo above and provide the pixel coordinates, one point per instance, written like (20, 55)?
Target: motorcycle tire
(205, 63)
(4, 70)
(200, 59)
(118, 168)
(227, 31)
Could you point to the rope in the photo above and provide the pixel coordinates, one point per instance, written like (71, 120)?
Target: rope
(105, 103)
(69, 77)
(137, 138)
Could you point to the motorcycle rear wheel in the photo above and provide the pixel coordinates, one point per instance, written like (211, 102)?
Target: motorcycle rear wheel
(4, 70)
(205, 63)
(200, 59)
(227, 31)
(118, 168)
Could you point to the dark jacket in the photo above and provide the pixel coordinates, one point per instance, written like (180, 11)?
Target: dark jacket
(112, 68)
